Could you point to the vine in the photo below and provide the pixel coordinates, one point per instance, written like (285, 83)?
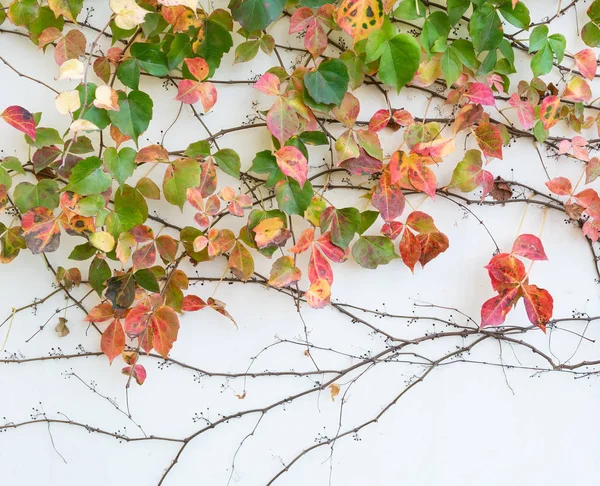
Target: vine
(97, 181)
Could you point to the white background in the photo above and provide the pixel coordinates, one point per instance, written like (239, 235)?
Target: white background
(466, 424)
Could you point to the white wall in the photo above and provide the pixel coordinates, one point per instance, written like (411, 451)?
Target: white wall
(465, 424)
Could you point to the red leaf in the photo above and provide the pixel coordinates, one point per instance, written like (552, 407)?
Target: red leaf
(388, 198)
(41, 230)
(284, 272)
(139, 373)
(506, 271)
(137, 320)
(192, 303)
(319, 268)
(165, 327)
(144, 257)
(529, 246)
(560, 185)
(364, 164)
(379, 120)
(112, 343)
(539, 305)
(494, 310)
(410, 250)
(481, 93)
(489, 140)
(304, 242)
(20, 119)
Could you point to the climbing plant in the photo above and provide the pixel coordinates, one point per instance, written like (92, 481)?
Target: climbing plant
(95, 180)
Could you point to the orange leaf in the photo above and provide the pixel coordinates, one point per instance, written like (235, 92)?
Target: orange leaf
(112, 343)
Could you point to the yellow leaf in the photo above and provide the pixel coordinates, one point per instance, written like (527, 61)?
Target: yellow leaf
(103, 241)
(334, 388)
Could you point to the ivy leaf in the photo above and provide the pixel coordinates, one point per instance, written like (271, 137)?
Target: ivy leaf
(539, 305)
(99, 273)
(344, 223)
(494, 310)
(87, 177)
(41, 230)
(128, 73)
(292, 198)
(120, 291)
(256, 14)
(485, 28)
(130, 210)
(121, 164)
(284, 272)
(372, 251)
(489, 139)
(549, 111)
(328, 83)
(517, 15)
(241, 262)
(469, 174)
(400, 57)
(529, 246)
(134, 115)
(150, 58)
(146, 279)
(20, 119)
(181, 175)
(388, 198)
(456, 9)
(112, 342)
(358, 18)
(292, 163)
(28, 196)
(228, 161)
(165, 327)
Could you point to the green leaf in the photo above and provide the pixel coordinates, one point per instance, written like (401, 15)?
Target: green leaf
(23, 12)
(591, 34)
(150, 58)
(28, 196)
(200, 148)
(181, 175)
(291, 198)
(215, 43)
(266, 163)
(134, 115)
(399, 60)
(456, 9)
(128, 73)
(344, 224)
(451, 66)
(314, 138)
(466, 53)
(558, 44)
(355, 64)
(372, 251)
(228, 161)
(485, 28)
(435, 32)
(180, 49)
(14, 164)
(519, 16)
(410, 10)
(256, 14)
(120, 164)
(247, 51)
(44, 137)
(69, 8)
(367, 218)
(82, 252)
(99, 273)
(146, 279)
(5, 179)
(328, 83)
(87, 177)
(541, 62)
(130, 210)
(538, 37)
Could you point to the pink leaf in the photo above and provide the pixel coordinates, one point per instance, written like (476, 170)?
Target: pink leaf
(198, 67)
(292, 163)
(560, 185)
(525, 111)
(379, 120)
(481, 93)
(586, 63)
(269, 84)
(20, 119)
